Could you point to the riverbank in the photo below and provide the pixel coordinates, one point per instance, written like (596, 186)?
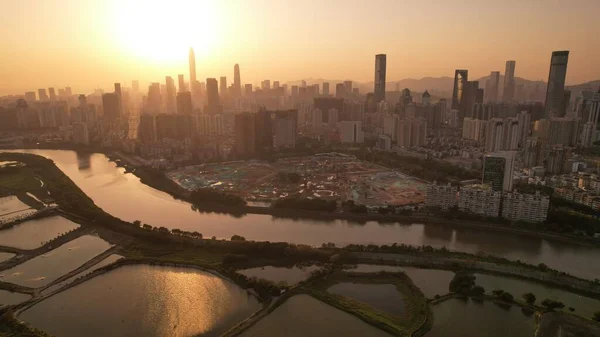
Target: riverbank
(158, 180)
(161, 246)
(162, 183)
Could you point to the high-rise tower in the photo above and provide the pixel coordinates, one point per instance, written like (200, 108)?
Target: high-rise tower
(556, 84)
(380, 69)
(192, 66)
(237, 84)
(509, 81)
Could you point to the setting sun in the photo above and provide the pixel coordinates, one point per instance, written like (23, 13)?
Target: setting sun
(163, 31)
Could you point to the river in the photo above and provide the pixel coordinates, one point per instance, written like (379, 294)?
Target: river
(123, 195)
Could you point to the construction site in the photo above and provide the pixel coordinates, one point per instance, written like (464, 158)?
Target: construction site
(331, 176)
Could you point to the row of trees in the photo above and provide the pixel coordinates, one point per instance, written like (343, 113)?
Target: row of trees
(209, 196)
(464, 283)
(306, 204)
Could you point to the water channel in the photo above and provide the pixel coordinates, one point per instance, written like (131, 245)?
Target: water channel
(123, 195)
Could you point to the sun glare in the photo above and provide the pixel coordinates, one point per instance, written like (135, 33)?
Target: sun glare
(163, 31)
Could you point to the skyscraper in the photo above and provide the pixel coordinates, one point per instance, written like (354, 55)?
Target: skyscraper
(181, 83)
(119, 95)
(171, 92)
(509, 81)
(52, 94)
(237, 84)
(184, 103)
(491, 88)
(380, 69)
(326, 89)
(42, 96)
(192, 66)
(348, 86)
(340, 90)
(498, 170)
(223, 86)
(461, 77)
(245, 133)
(556, 83)
(110, 105)
(212, 93)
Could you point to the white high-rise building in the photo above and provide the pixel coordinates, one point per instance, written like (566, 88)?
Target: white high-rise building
(284, 132)
(317, 119)
(351, 132)
(494, 135)
(81, 134)
(524, 119)
(389, 126)
(332, 118)
(511, 134)
(473, 129)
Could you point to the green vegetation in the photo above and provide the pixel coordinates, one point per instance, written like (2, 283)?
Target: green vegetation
(551, 305)
(414, 322)
(462, 283)
(597, 316)
(529, 298)
(350, 206)
(9, 327)
(503, 295)
(306, 204)
(204, 196)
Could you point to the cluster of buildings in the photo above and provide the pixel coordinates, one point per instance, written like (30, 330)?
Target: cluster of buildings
(493, 196)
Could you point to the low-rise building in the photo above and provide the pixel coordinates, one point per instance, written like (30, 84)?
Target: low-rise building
(480, 200)
(525, 207)
(441, 196)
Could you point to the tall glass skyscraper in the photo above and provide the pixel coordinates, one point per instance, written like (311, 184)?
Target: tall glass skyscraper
(237, 84)
(555, 94)
(509, 81)
(380, 68)
(192, 66)
(461, 77)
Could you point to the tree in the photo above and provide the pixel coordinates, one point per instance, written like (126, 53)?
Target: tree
(497, 292)
(138, 223)
(477, 291)
(462, 282)
(507, 297)
(529, 298)
(147, 227)
(543, 267)
(597, 316)
(552, 305)
(236, 237)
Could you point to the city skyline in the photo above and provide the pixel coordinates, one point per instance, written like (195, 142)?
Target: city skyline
(136, 49)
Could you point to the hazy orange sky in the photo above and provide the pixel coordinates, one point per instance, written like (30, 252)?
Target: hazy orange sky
(89, 44)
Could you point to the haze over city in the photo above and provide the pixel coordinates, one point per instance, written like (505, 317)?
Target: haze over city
(91, 44)
(268, 168)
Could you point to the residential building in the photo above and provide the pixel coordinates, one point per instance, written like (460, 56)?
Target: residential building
(351, 132)
(441, 196)
(525, 207)
(479, 199)
(498, 170)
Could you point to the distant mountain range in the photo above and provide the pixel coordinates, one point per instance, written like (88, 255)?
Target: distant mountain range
(442, 86)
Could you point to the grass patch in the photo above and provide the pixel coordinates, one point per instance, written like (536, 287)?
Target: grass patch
(173, 253)
(417, 316)
(17, 181)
